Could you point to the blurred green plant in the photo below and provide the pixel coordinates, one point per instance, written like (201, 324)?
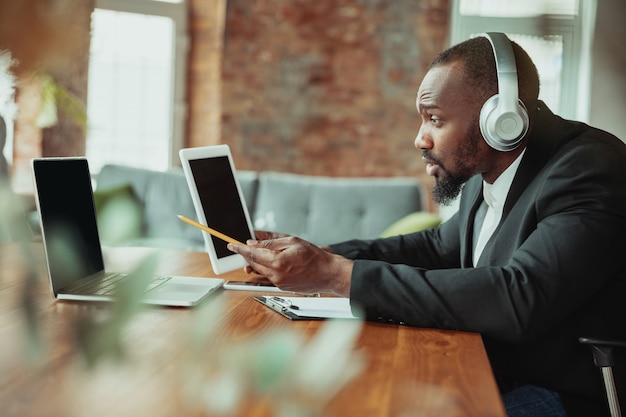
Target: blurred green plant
(96, 338)
(99, 339)
(55, 97)
(14, 228)
(295, 376)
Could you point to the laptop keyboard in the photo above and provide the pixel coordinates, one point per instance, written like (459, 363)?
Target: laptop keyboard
(107, 284)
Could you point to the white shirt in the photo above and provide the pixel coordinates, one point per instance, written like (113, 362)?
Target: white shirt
(495, 196)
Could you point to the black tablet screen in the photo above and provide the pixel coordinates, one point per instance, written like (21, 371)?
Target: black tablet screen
(220, 200)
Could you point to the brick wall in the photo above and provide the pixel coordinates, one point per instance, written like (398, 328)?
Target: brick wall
(327, 87)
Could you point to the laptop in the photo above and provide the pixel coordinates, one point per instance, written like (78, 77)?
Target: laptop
(65, 202)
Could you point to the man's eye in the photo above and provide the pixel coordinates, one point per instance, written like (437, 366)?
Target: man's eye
(434, 120)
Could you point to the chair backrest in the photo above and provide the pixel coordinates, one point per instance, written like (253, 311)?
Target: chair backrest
(602, 350)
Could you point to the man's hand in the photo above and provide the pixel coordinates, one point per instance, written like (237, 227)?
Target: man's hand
(293, 264)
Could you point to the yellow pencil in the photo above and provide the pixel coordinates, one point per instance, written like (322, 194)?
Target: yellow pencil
(209, 230)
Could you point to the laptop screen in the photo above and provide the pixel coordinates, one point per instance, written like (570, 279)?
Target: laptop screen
(68, 219)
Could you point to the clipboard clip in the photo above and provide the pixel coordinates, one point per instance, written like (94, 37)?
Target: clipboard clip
(280, 304)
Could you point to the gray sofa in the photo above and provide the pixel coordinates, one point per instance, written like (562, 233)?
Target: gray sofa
(320, 209)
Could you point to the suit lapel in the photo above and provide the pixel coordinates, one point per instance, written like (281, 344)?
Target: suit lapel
(472, 198)
(538, 152)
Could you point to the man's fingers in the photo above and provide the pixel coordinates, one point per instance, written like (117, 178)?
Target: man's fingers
(235, 248)
(278, 245)
(255, 256)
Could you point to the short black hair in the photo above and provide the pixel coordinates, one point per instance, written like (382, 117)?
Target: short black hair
(480, 69)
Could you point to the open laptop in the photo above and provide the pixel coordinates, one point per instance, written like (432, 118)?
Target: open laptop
(67, 213)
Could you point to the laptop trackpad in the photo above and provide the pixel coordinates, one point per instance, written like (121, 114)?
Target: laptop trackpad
(180, 290)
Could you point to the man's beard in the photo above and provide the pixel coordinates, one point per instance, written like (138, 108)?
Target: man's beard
(447, 189)
(450, 184)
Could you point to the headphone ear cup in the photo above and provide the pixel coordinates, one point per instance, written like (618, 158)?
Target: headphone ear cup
(486, 119)
(503, 131)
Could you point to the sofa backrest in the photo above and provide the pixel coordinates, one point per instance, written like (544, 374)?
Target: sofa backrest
(162, 196)
(327, 210)
(322, 210)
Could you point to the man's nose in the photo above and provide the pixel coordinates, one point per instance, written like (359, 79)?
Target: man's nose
(421, 140)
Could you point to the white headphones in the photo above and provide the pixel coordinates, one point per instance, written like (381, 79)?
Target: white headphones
(503, 117)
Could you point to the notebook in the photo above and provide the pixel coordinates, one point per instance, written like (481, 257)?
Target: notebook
(67, 213)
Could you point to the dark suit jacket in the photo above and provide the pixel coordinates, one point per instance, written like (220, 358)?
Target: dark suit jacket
(554, 269)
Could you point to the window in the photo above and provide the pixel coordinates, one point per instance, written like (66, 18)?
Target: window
(557, 34)
(136, 87)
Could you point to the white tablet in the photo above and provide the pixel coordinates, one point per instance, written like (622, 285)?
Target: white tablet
(218, 201)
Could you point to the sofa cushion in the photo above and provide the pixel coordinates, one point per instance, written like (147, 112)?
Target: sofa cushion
(327, 210)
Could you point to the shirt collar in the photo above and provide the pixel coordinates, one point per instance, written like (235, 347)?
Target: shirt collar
(495, 194)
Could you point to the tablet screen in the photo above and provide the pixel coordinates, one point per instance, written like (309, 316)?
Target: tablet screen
(220, 200)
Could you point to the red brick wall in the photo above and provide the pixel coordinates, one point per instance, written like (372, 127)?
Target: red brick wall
(206, 28)
(327, 87)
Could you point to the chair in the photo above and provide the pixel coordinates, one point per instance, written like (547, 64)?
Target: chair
(603, 358)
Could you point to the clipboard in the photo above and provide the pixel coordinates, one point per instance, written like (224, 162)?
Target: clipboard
(309, 308)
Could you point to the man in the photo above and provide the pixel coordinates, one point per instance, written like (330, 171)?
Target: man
(546, 267)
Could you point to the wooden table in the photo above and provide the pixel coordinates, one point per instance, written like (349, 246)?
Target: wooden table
(407, 371)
